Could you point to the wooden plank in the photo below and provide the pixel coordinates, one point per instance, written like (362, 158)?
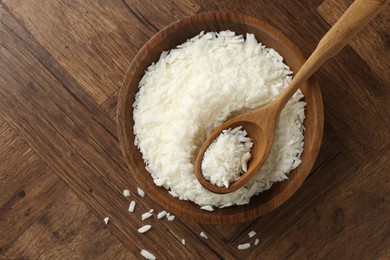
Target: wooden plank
(157, 14)
(67, 222)
(27, 186)
(371, 44)
(109, 106)
(32, 195)
(357, 120)
(328, 151)
(85, 38)
(38, 107)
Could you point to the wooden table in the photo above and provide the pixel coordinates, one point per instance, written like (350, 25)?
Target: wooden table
(61, 168)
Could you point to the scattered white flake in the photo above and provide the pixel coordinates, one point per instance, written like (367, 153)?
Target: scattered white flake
(144, 229)
(132, 206)
(161, 214)
(183, 242)
(256, 241)
(151, 210)
(126, 193)
(251, 234)
(146, 215)
(106, 219)
(168, 214)
(141, 192)
(202, 234)
(244, 246)
(171, 218)
(207, 208)
(147, 254)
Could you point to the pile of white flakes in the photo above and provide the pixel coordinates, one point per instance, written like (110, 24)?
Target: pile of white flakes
(197, 86)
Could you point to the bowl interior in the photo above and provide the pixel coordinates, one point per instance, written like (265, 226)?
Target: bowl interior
(178, 33)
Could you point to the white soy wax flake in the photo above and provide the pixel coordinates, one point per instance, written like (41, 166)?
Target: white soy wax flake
(146, 215)
(144, 229)
(227, 157)
(202, 234)
(251, 234)
(256, 242)
(106, 219)
(126, 193)
(226, 205)
(207, 208)
(141, 192)
(132, 206)
(147, 254)
(183, 242)
(161, 214)
(171, 218)
(244, 246)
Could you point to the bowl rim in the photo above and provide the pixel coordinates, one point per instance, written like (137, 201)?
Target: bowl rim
(123, 131)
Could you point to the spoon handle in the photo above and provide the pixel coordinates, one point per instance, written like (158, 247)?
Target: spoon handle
(359, 14)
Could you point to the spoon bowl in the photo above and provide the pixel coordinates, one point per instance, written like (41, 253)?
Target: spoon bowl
(259, 151)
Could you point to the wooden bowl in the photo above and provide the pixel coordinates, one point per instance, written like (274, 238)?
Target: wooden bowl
(178, 33)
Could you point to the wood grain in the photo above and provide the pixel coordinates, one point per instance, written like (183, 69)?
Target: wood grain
(72, 33)
(55, 231)
(375, 36)
(27, 188)
(156, 15)
(42, 207)
(61, 66)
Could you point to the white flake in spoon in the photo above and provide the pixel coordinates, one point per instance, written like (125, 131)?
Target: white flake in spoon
(227, 157)
(147, 254)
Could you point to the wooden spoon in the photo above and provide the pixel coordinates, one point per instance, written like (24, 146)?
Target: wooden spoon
(260, 123)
